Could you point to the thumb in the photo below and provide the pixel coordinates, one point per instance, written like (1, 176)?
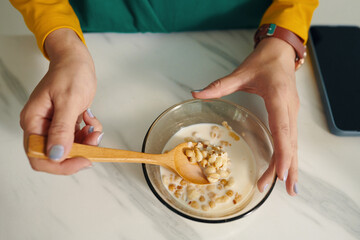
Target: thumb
(61, 131)
(219, 88)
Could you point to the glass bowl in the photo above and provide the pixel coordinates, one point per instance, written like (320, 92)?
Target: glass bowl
(194, 111)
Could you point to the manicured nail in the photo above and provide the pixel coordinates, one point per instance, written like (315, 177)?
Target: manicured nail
(85, 168)
(265, 187)
(100, 138)
(91, 129)
(91, 115)
(295, 188)
(56, 152)
(199, 90)
(285, 175)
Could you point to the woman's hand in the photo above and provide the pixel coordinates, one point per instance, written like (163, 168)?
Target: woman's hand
(59, 103)
(269, 71)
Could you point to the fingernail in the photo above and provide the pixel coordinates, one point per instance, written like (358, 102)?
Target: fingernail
(295, 188)
(100, 138)
(285, 175)
(85, 168)
(91, 129)
(265, 187)
(199, 90)
(91, 115)
(56, 152)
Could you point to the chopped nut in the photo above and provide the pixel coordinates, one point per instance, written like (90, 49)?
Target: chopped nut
(223, 182)
(212, 158)
(223, 174)
(230, 193)
(172, 187)
(165, 180)
(192, 193)
(209, 170)
(201, 198)
(205, 207)
(212, 195)
(230, 182)
(189, 153)
(204, 153)
(195, 204)
(219, 186)
(212, 204)
(234, 136)
(198, 155)
(214, 177)
(218, 162)
(178, 193)
(222, 199)
(237, 198)
(204, 163)
(183, 182)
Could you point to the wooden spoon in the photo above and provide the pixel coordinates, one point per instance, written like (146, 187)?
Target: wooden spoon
(174, 160)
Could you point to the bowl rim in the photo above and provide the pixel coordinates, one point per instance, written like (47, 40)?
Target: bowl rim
(198, 219)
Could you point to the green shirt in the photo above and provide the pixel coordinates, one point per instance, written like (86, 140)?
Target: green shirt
(167, 15)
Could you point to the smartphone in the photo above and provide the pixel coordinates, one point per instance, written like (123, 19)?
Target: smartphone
(335, 53)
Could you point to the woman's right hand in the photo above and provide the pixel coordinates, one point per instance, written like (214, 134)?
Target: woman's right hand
(59, 103)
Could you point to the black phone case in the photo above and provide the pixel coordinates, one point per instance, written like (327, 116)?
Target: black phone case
(324, 94)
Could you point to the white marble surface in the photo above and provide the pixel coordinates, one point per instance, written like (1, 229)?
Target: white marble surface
(139, 76)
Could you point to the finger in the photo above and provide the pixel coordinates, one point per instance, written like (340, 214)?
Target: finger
(78, 122)
(61, 131)
(268, 176)
(93, 139)
(35, 118)
(81, 135)
(90, 119)
(291, 182)
(219, 88)
(66, 167)
(280, 128)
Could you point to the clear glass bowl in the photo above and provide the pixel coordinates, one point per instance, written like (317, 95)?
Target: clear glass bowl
(186, 113)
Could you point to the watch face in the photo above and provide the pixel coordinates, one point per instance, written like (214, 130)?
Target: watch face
(271, 30)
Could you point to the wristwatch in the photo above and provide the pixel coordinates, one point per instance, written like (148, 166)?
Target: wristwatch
(272, 30)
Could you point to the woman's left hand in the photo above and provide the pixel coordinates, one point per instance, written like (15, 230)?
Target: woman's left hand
(269, 71)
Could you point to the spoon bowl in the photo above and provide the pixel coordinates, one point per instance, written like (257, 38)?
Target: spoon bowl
(175, 160)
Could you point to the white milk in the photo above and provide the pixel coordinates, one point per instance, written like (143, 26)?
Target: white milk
(242, 166)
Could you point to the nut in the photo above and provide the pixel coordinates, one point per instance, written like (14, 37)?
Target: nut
(205, 207)
(195, 204)
(230, 193)
(192, 193)
(172, 187)
(214, 177)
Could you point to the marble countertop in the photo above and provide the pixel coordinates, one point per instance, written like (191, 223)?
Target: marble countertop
(139, 76)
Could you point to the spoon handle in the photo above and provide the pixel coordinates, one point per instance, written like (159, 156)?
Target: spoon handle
(37, 149)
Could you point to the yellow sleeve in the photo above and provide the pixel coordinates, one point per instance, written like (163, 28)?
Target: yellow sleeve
(294, 15)
(45, 16)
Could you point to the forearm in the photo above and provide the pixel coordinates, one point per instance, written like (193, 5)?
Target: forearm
(64, 44)
(43, 17)
(294, 15)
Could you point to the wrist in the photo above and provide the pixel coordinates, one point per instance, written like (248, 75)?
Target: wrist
(277, 49)
(274, 31)
(64, 44)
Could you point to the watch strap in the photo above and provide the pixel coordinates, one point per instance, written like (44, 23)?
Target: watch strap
(272, 30)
